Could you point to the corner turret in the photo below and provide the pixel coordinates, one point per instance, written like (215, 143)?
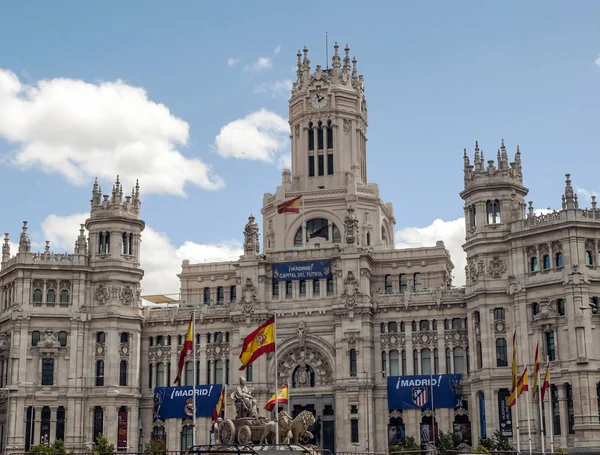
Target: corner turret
(6, 249)
(569, 198)
(24, 241)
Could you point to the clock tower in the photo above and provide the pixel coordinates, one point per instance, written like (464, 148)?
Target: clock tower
(328, 122)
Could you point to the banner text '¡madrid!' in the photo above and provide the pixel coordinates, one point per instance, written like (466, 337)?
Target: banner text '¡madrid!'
(188, 393)
(426, 382)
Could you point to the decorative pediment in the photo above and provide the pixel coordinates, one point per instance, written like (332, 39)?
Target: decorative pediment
(308, 356)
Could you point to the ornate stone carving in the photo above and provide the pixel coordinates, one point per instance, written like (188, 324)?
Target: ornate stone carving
(351, 290)
(127, 296)
(49, 340)
(546, 310)
(351, 227)
(393, 340)
(425, 339)
(347, 126)
(251, 242)
(496, 267)
(249, 297)
(301, 331)
(101, 295)
(317, 361)
(456, 338)
(516, 208)
(4, 340)
(245, 404)
(217, 350)
(473, 273)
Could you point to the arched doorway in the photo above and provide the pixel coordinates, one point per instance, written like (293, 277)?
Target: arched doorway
(429, 430)
(396, 429)
(462, 428)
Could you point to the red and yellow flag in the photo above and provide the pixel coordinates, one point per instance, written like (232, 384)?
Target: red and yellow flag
(188, 345)
(259, 342)
(536, 370)
(282, 398)
(291, 206)
(220, 405)
(522, 386)
(546, 384)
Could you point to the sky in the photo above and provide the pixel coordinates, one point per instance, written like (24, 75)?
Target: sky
(191, 98)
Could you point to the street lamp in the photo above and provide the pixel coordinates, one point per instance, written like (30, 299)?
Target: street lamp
(367, 399)
(8, 389)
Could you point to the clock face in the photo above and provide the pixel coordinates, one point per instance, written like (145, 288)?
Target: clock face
(318, 100)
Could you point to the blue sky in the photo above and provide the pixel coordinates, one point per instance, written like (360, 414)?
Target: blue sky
(438, 75)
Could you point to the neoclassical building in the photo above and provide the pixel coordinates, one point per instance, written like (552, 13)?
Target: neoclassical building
(80, 355)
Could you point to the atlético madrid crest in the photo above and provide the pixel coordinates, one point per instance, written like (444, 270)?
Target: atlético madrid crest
(420, 396)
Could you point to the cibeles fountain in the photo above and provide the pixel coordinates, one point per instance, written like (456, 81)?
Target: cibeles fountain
(251, 429)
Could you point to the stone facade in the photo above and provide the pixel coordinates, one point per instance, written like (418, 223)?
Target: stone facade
(77, 346)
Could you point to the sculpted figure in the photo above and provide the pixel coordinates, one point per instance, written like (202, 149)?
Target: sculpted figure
(245, 404)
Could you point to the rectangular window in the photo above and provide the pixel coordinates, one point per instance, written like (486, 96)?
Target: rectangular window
(302, 287)
(316, 288)
(311, 138)
(404, 369)
(389, 288)
(354, 431)
(402, 282)
(249, 373)
(150, 376)
(232, 294)
(320, 138)
(48, 372)
(321, 165)
(329, 137)
(276, 289)
(330, 164)
(288, 289)
(417, 282)
(220, 295)
(329, 286)
(311, 165)
(550, 346)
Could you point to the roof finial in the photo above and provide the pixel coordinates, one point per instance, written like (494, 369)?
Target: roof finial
(354, 72)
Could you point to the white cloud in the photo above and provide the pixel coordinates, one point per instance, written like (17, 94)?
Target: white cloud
(82, 130)
(264, 63)
(275, 88)
(586, 195)
(160, 259)
(451, 232)
(597, 61)
(261, 135)
(232, 61)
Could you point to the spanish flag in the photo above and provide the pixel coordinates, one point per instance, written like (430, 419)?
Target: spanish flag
(188, 345)
(220, 405)
(522, 386)
(546, 384)
(259, 342)
(291, 206)
(282, 398)
(536, 370)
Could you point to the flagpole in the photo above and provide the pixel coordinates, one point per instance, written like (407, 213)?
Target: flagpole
(277, 374)
(303, 231)
(432, 403)
(516, 391)
(527, 404)
(539, 394)
(550, 413)
(194, 374)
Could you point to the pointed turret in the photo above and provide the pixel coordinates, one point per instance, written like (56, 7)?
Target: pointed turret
(6, 249)
(81, 242)
(570, 198)
(346, 68)
(24, 241)
(336, 61)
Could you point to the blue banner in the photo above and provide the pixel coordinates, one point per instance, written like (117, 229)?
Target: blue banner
(420, 392)
(482, 425)
(293, 271)
(177, 403)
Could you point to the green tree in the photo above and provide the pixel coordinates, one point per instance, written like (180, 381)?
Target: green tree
(102, 446)
(409, 444)
(444, 442)
(56, 448)
(155, 447)
(501, 442)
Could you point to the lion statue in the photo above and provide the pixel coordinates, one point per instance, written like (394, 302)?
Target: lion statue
(290, 431)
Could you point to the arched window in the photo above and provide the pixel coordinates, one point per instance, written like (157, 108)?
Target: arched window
(206, 296)
(417, 281)
(60, 423)
(533, 264)
(423, 325)
(560, 307)
(415, 362)
(389, 288)
(382, 327)
(448, 362)
(479, 355)
(64, 296)
(384, 363)
(392, 327)
(396, 431)
(99, 373)
(499, 314)
(558, 259)
(220, 295)
(368, 239)
(311, 137)
(51, 296)
(318, 228)
(37, 296)
(473, 216)
(35, 337)
(394, 363)
(546, 262)
(535, 308)
(501, 353)
(426, 361)
(187, 435)
(232, 294)
(402, 326)
(303, 376)
(353, 371)
(493, 211)
(62, 338)
(329, 135)
(459, 361)
(589, 258)
(123, 373)
(98, 422)
(100, 337)
(160, 374)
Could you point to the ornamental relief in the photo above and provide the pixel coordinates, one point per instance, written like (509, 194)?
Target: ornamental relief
(217, 350)
(456, 338)
(125, 349)
(425, 339)
(393, 340)
(496, 267)
(159, 352)
(4, 341)
(500, 327)
(308, 356)
(101, 295)
(546, 310)
(127, 296)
